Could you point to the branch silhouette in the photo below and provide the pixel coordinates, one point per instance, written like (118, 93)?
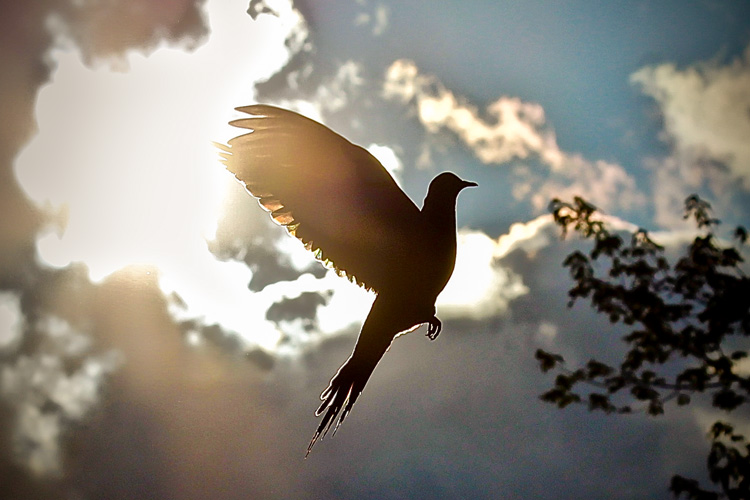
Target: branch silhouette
(347, 209)
(688, 322)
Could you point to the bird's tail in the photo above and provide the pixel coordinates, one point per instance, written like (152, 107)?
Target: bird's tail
(340, 395)
(346, 386)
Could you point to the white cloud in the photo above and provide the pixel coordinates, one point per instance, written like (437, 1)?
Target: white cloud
(705, 109)
(707, 125)
(606, 185)
(512, 130)
(530, 236)
(479, 287)
(47, 396)
(331, 95)
(378, 18)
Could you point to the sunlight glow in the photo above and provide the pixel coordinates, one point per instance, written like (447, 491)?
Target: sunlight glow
(529, 234)
(127, 157)
(479, 287)
(124, 165)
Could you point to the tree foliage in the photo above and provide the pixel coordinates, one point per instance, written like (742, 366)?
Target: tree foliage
(687, 321)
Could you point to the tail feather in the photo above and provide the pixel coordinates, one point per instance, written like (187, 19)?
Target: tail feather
(340, 395)
(385, 320)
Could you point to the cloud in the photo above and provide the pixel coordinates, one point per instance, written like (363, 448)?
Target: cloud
(105, 30)
(297, 316)
(293, 24)
(706, 125)
(529, 236)
(480, 287)
(470, 396)
(377, 18)
(515, 134)
(705, 110)
(333, 93)
(244, 233)
(489, 277)
(10, 320)
(304, 306)
(47, 395)
(507, 131)
(675, 180)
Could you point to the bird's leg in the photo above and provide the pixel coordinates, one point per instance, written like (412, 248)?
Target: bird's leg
(433, 328)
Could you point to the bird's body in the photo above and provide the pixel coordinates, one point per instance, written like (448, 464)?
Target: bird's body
(345, 207)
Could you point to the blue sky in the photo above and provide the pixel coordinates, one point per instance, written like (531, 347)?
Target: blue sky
(161, 338)
(575, 61)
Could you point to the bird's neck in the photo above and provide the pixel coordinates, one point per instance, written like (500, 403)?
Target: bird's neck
(439, 242)
(441, 213)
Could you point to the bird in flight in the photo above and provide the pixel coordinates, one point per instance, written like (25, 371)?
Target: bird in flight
(346, 208)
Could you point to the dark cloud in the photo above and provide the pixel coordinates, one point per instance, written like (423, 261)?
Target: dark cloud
(258, 7)
(23, 42)
(18, 226)
(261, 359)
(455, 418)
(227, 343)
(303, 307)
(52, 378)
(103, 30)
(247, 234)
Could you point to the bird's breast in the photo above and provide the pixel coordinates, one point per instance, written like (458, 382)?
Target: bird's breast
(427, 266)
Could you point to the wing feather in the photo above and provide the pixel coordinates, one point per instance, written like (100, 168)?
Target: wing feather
(331, 194)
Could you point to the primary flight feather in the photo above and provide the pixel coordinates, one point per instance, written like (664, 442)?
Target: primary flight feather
(344, 206)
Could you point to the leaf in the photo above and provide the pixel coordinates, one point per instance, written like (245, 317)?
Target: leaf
(720, 428)
(683, 399)
(547, 360)
(727, 399)
(600, 402)
(741, 234)
(655, 407)
(691, 487)
(737, 355)
(644, 392)
(597, 369)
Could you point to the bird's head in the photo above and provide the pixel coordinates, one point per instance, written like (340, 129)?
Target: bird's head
(446, 186)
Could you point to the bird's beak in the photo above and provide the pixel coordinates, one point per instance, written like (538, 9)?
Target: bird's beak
(466, 184)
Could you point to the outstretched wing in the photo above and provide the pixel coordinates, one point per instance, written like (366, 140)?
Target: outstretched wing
(331, 194)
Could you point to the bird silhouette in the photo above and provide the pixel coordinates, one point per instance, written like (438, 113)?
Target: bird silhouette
(345, 207)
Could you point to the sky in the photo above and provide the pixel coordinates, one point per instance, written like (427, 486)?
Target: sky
(161, 337)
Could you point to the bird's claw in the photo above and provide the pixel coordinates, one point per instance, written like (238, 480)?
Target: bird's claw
(433, 328)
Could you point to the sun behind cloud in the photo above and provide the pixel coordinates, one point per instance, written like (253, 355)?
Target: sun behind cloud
(124, 165)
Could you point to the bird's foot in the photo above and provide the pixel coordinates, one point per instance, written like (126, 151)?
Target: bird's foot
(433, 328)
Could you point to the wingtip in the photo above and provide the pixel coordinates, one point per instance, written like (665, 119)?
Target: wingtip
(257, 109)
(246, 109)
